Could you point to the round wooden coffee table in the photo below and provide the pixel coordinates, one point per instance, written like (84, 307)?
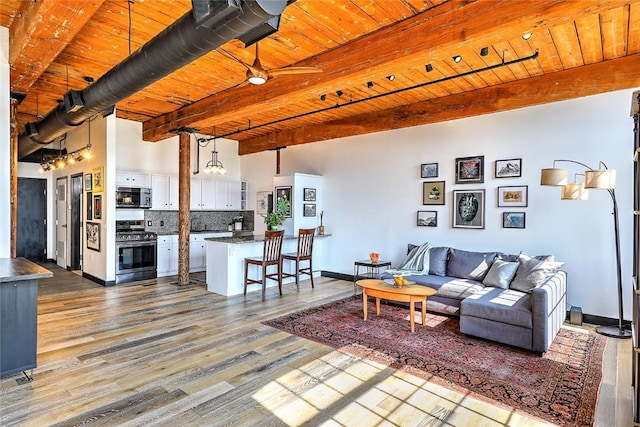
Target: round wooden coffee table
(411, 294)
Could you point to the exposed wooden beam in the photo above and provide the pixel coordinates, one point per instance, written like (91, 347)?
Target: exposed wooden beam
(578, 82)
(438, 31)
(40, 32)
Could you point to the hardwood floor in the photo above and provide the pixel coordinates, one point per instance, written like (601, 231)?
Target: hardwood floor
(154, 353)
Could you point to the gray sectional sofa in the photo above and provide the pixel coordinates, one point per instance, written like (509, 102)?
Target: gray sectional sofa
(513, 299)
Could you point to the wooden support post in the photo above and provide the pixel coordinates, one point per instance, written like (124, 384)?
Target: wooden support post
(13, 153)
(278, 161)
(184, 208)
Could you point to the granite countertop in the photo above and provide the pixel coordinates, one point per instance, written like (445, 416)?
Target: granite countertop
(170, 232)
(253, 238)
(15, 269)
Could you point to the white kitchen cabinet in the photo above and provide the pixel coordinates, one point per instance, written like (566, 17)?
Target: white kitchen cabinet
(228, 195)
(133, 179)
(208, 194)
(197, 259)
(196, 194)
(166, 266)
(164, 192)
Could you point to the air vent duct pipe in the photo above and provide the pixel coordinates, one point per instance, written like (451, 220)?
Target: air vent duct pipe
(209, 25)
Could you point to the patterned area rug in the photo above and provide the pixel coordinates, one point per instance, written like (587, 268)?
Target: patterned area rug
(560, 387)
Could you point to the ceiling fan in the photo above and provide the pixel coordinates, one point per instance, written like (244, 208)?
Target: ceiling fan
(257, 75)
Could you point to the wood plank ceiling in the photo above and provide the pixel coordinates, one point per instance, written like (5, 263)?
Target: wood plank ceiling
(584, 48)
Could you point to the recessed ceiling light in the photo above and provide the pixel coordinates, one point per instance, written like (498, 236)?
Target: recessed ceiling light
(429, 68)
(526, 36)
(391, 77)
(457, 58)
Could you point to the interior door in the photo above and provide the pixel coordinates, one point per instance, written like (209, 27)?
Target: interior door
(31, 233)
(75, 227)
(61, 222)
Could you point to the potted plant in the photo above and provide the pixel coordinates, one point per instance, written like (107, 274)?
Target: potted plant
(237, 222)
(276, 218)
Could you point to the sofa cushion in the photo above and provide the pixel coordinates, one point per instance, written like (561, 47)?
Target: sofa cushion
(500, 305)
(514, 258)
(532, 272)
(469, 265)
(438, 261)
(500, 274)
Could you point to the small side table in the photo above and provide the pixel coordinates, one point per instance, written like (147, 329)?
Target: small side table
(372, 270)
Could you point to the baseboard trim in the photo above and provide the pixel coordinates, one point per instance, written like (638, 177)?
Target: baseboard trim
(339, 276)
(98, 280)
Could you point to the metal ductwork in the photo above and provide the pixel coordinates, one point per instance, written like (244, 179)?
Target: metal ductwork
(209, 25)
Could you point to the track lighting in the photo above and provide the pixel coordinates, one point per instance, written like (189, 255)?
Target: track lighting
(456, 58)
(339, 92)
(429, 68)
(66, 159)
(369, 85)
(526, 36)
(484, 51)
(391, 77)
(323, 97)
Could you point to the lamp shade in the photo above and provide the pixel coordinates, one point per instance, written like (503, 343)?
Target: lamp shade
(574, 191)
(553, 176)
(600, 178)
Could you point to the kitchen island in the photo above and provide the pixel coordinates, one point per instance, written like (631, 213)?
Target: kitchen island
(19, 314)
(225, 261)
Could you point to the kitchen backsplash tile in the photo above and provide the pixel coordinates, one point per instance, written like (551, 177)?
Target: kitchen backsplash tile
(200, 220)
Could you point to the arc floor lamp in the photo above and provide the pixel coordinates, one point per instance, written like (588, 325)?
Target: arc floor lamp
(604, 179)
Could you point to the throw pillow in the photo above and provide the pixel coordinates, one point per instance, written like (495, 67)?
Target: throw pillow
(514, 258)
(438, 261)
(501, 274)
(532, 272)
(469, 265)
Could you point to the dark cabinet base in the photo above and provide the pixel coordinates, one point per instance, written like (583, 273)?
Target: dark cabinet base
(18, 326)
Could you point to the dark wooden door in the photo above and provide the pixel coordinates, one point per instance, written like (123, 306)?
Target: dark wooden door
(76, 220)
(31, 233)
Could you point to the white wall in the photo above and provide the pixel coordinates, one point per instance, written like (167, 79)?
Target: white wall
(161, 157)
(372, 189)
(5, 145)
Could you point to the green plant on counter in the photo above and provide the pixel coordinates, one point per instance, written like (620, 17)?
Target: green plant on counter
(238, 218)
(276, 218)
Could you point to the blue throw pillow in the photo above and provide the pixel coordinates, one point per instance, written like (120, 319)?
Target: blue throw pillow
(500, 274)
(438, 261)
(469, 265)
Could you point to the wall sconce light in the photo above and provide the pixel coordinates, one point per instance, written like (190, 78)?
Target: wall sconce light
(456, 58)
(369, 85)
(429, 68)
(484, 51)
(391, 77)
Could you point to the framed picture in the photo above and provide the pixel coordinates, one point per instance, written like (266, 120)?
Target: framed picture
(513, 220)
(427, 219)
(283, 192)
(93, 236)
(97, 206)
(433, 193)
(429, 170)
(470, 170)
(263, 202)
(87, 182)
(309, 195)
(511, 168)
(514, 196)
(98, 179)
(89, 202)
(468, 208)
(309, 209)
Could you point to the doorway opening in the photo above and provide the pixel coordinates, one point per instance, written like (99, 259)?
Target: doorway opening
(31, 227)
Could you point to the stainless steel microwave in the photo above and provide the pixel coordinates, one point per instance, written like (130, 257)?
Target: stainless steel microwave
(127, 197)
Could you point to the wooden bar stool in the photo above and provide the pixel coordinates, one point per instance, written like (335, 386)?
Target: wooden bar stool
(305, 250)
(271, 255)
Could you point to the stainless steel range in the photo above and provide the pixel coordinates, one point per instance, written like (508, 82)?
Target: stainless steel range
(136, 252)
